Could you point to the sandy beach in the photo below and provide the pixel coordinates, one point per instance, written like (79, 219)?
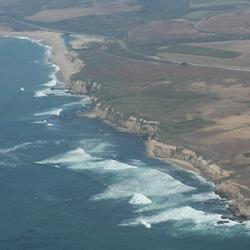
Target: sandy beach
(67, 61)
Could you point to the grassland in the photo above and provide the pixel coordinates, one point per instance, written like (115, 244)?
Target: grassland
(200, 51)
(232, 22)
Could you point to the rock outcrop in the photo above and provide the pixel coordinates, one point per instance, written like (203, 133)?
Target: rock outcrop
(80, 87)
(128, 123)
(206, 167)
(224, 186)
(239, 205)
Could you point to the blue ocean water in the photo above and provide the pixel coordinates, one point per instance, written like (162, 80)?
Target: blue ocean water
(75, 183)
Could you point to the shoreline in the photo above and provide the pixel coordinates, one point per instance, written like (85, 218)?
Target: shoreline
(186, 159)
(179, 156)
(60, 55)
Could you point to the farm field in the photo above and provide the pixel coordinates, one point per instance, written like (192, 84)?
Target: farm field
(200, 51)
(232, 55)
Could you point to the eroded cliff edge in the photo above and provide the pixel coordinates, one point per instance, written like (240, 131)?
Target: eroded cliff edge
(222, 179)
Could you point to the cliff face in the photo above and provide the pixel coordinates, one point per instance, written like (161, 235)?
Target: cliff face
(233, 192)
(81, 87)
(239, 205)
(164, 151)
(129, 123)
(224, 186)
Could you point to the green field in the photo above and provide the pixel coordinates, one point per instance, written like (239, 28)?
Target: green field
(200, 51)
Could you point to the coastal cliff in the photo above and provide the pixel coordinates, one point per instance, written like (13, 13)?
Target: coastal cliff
(206, 167)
(224, 186)
(128, 123)
(81, 87)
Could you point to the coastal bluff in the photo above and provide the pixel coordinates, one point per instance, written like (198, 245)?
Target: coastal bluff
(81, 87)
(224, 186)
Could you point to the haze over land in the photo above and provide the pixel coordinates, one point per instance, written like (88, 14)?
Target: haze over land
(184, 64)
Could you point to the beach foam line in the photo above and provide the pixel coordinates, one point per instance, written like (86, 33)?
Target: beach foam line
(40, 122)
(36, 41)
(47, 92)
(82, 102)
(205, 196)
(51, 83)
(48, 56)
(52, 112)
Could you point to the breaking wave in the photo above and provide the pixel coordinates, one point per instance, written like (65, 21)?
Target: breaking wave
(52, 112)
(152, 183)
(75, 156)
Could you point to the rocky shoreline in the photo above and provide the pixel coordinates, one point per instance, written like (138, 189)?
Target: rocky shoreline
(183, 157)
(224, 187)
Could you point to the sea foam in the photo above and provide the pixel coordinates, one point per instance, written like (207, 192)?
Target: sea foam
(75, 156)
(150, 182)
(140, 199)
(52, 112)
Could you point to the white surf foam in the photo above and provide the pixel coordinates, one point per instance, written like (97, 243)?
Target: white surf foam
(100, 165)
(48, 54)
(72, 157)
(21, 89)
(113, 165)
(52, 112)
(51, 82)
(40, 122)
(46, 92)
(40, 93)
(136, 162)
(50, 125)
(36, 41)
(145, 223)
(150, 182)
(82, 102)
(178, 214)
(205, 196)
(140, 199)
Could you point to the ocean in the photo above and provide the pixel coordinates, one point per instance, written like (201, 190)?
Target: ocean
(75, 183)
